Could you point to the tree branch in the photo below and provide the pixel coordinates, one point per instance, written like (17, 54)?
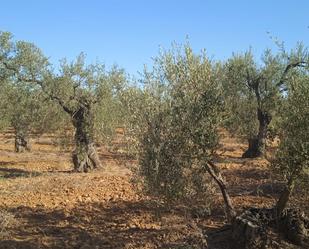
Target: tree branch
(216, 175)
(288, 68)
(41, 84)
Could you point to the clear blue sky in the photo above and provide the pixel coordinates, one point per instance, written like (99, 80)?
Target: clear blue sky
(129, 33)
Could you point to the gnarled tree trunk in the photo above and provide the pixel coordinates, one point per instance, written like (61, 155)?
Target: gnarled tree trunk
(22, 142)
(85, 157)
(249, 230)
(257, 144)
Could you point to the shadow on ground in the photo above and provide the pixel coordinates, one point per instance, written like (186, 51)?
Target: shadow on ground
(14, 172)
(119, 224)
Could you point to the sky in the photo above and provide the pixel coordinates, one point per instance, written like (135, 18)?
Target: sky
(130, 33)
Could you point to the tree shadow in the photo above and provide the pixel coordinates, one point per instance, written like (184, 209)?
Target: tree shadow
(9, 135)
(13, 244)
(119, 224)
(253, 182)
(252, 173)
(14, 172)
(120, 157)
(230, 159)
(7, 163)
(219, 237)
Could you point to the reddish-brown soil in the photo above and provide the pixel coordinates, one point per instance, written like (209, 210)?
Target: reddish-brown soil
(55, 208)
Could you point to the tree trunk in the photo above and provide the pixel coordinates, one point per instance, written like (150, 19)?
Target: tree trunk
(216, 175)
(85, 157)
(22, 142)
(257, 144)
(249, 229)
(285, 195)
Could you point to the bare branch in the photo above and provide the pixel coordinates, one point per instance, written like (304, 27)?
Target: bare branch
(61, 103)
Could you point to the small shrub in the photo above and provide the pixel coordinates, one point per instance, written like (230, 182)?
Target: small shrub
(181, 120)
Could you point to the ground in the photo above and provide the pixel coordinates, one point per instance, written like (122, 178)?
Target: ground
(55, 208)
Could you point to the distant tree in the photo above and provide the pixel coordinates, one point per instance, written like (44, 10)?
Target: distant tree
(4, 80)
(4, 114)
(110, 112)
(28, 112)
(134, 108)
(181, 120)
(253, 93)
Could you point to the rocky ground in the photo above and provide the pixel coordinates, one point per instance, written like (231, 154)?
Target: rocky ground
(45, 205)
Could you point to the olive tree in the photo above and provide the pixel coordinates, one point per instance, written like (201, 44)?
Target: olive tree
(4, 114)
(29, 112)
(25, 108)
(292, 163)
(110, 112)
(292, 158)
(250, 229)
(77, 88)
(135, 105)
(181, 125)
(80, 91)
(5, 47)
(253, 92)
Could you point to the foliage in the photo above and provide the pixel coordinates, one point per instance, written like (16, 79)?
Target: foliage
(181, 121)
(4, 80)
(249, 87)
(239, 100)
(292, 158)
(110, 112)
(39, 95)
(172, 119)
(4, 114)
(25, 107)
(93, 85)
